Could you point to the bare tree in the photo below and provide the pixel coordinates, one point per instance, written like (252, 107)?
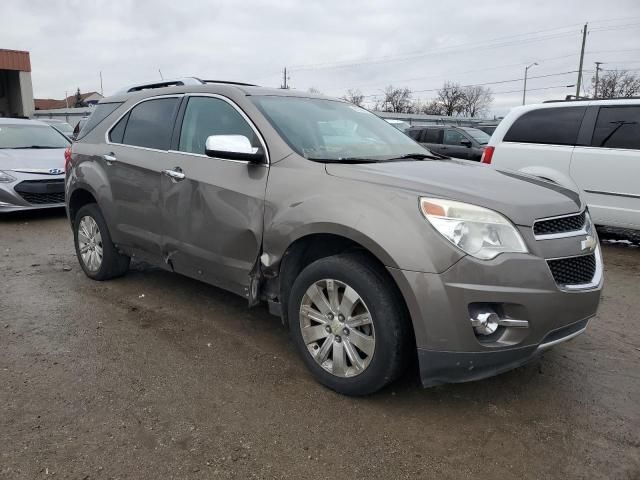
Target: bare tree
(475, 101)
(432, 108)
(315, 91)
(354, 96)
(617, 83)
(396, 100)
(450, 97)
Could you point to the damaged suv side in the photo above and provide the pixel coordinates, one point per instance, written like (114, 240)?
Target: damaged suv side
(369, 247)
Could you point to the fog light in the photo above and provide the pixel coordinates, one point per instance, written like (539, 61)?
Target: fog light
(485, 323)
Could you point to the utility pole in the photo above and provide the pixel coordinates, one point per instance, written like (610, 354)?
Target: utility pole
(595, 91)
(584, 40)
(526, 72)
(101, 91)
(66, 98)
(284, 79)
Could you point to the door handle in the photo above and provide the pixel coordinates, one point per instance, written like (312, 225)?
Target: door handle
(175, 174)
(110, 158)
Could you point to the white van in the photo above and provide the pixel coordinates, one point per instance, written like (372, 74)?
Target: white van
(590, 146)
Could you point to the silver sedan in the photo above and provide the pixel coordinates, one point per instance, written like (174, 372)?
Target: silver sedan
(31, 165)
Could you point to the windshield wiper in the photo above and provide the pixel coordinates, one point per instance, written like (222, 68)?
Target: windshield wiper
(33, 146)
(419, 156)
(345, 160)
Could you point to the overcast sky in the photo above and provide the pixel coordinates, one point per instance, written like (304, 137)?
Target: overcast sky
(329, 45)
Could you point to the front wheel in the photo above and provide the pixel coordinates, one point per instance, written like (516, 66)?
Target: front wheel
(98, 256)
(349, 324)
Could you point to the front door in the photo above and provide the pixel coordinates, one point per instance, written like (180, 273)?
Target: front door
(452, 144)
(213, 212)
(135, 155)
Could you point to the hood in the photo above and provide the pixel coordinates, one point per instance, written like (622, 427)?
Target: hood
(521, 198)
(32, 160)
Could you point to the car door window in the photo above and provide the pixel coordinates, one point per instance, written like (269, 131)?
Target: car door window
(432, 135)
(550, 126)
(206, 116)
(617, 127)
(150, 124)
(453, 137)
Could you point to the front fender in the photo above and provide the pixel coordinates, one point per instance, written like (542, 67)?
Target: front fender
(385, 220)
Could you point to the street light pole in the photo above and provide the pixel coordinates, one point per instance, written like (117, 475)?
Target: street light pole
(526, 72)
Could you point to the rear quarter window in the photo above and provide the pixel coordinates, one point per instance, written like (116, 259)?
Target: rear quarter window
(100, 112)
(552, 126)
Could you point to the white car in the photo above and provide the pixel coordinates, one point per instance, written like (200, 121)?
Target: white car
(592, 147)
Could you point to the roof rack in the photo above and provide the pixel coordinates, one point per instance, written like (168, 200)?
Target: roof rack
(573, 98)
(177, 82)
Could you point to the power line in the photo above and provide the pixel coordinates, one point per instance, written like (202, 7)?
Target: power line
(414, 55)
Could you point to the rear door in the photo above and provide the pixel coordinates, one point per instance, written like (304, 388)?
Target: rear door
(213, 217)
(540, 142)
(431, 138)
(135, 155)
(607, 169)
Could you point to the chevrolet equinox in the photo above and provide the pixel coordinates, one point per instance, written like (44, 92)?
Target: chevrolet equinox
(372, 249)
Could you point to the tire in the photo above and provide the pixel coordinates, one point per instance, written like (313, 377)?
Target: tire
(112, 264)
(386, 337)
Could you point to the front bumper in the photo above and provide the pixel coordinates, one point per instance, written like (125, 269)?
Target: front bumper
(519, 286)
(39, 191)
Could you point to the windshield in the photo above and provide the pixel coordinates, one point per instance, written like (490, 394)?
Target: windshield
(31, 136)
(320, 129)
(478, 135)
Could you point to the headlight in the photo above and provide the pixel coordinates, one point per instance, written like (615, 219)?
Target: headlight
(478, 231)
(5, 177)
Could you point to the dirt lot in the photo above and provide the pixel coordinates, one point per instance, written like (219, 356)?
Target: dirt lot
(155, 376)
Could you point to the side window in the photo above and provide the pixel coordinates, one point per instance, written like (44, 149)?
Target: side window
(415, 134)
(554, 126)
(453, 137)
(117, 133)
(205, 116)
(432, 135)
(617, 127)
(150, 124)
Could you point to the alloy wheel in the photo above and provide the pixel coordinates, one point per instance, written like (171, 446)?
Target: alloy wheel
(90, 243)
(337, 328)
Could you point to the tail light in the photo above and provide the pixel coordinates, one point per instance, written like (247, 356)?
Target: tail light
(67, 159)
(487, 154)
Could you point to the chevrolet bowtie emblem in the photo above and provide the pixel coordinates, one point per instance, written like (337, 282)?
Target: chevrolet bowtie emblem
(588, 243)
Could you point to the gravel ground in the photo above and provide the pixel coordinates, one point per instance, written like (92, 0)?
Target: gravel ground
(155, 376)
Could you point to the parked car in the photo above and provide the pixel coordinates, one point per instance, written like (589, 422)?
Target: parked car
(459, 142)
(590, 146)
(367, 245)
(31, 165)
(60, 125)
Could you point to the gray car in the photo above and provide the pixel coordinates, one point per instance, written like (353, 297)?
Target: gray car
(32, 156)
(372, 250)
(458, 142)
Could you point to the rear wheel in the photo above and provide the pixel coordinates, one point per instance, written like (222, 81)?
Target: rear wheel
(349, 324)
(98, 256)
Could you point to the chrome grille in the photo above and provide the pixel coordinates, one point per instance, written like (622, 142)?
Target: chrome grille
(566, 224)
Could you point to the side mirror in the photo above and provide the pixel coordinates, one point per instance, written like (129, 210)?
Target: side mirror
(233, 147)
(466, 143)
